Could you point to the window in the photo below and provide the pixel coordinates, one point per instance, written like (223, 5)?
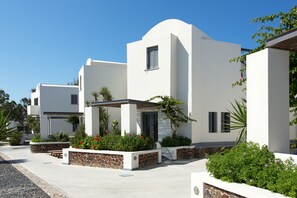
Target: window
(212, 122)
(152, 58)
(36, 101)
(225, 122)
(74, 99)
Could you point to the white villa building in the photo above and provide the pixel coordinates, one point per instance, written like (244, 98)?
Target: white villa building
(175, 59)
(52, 104)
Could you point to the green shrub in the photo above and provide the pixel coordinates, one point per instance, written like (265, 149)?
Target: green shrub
(250, 164)
(169, 141)
(79, 136)
(15, 138)
(37, 138)
(58, 137)
(113, 142)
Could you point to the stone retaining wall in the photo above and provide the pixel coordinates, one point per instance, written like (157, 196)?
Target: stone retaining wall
(96, 160)
(210, 191)
(185, 153)
(203, 152)
(148, 159)
(45, 147)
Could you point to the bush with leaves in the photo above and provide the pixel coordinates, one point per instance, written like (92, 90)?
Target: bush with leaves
(37, 138)
(169, 141)
(79, 135)
(129, 142)
(58, 137)
(254, 165)
(15, 138)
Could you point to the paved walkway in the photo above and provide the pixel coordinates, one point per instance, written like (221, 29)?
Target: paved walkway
(166, 180)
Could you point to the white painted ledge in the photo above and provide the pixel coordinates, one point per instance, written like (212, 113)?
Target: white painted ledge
(197, 180)
(130, 158)
(41, 143)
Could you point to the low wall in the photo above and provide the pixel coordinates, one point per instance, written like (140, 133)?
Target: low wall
(44, 147)
(205, 151)
(203, 185)
(111, 159)
(179, 152)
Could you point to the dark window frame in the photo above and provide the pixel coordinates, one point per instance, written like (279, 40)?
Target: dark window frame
(150, 51)
(74, 99)
(212, 122)
(35, 101)
(225, 122)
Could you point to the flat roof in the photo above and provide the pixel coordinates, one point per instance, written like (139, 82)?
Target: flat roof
(285, 41)
(118, 103)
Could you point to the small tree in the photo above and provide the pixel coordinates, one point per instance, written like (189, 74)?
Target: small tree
(103, 112)
(170, 107)
(33, 124)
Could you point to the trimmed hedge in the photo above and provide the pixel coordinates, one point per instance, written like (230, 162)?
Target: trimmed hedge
(169, 141)
(114, 142)
(250, 164)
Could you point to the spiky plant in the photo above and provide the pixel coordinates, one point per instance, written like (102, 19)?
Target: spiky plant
(105, 93)
(5, 131)
(95, 95)
(238, 120)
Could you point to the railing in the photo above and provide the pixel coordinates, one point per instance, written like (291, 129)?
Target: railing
(33, 110)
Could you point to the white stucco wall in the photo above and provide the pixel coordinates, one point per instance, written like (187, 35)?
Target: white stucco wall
(267, 99)
(213, 76)
(192, 68)
(97, 74)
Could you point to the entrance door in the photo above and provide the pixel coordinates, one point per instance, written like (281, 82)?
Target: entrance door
(150, 124)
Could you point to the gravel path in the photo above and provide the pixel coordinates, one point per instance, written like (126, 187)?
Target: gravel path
(13, 183)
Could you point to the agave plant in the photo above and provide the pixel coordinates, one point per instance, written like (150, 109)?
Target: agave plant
(5, 131)
(238, 120)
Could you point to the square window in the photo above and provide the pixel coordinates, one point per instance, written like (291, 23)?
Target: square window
(152, 58)
(74, 99)
(225, 122)
(212, 122)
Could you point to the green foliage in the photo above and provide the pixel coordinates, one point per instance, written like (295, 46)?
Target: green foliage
(37, 138)
(58, 137)
(15, 138)
(171, 108)
(73, 120)
(113, 142)
(267, 30)
(17, 112)
(169, 141)
(104, 120)
(79, 135)
(115, 127)
(33, 124)
(106, 94)
(250, 164)
(238, 119)
(4, 126)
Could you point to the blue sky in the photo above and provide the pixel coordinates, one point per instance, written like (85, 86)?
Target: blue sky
(47, 41)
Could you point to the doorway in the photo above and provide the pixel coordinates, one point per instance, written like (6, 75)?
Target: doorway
(150, 124)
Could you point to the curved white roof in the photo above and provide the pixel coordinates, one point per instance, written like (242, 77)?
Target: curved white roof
(173, 26)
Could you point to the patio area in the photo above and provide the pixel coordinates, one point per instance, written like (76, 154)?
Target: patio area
(169, 179)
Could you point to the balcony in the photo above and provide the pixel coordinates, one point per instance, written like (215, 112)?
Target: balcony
(33, 110)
